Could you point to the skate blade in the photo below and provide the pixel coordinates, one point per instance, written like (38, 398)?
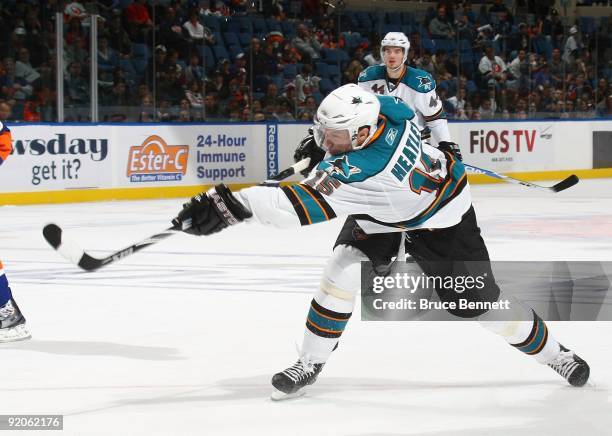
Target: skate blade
(281, 396)
(14, 334)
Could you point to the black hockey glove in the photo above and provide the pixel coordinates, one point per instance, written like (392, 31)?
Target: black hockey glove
(451, 147)
(309, 148)
(210, 212)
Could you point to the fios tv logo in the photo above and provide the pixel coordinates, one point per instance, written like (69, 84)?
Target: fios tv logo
(491, 141)
(156, 161)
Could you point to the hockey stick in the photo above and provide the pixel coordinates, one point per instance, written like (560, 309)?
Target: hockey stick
(73, 253)
(561, 186)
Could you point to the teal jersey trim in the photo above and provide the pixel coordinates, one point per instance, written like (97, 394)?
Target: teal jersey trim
(313, 209)
(419, 80)
(394, 109)
(375, 72)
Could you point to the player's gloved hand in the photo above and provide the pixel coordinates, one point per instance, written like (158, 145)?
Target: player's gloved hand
(309, 148)
(451, 147)
(210, 212)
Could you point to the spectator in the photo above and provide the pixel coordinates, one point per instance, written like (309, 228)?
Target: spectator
(271, 95)
(170, 84)
(352, 71)
(572, 46)
(557, 69)
(440, 63)
(196, 32)
(139, 20)
(211, 107)
(373, 57)
(499, 7)
(306, 116)
(521, 40)
(307, 45)
(164, 111)
(240, 63)
(291, 95)
(119, 96)
(541, 74)
(75, 85)
(184, 116)
(107, 59)
(283, 110)
(194, 71)
(465, 28)
(518, 70)
(6, 111)
(170, 30)
(137, 14)
(553, 27)
(492, 68)
(602, 90)
(458, 101)
(118, 38)
(13, 87)
(604, 109)
(147, 113)
(426, 63)
(440, 27)
(75, 10)
(578, 88)
(23, 68)
(306, 79)
(194, 95)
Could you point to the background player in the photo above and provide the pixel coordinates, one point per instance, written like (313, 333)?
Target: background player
(415, 87)
(380, 172)
(12, 322)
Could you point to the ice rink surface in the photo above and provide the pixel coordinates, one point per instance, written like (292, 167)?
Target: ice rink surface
(184, 337)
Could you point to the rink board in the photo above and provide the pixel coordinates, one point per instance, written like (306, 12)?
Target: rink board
(57, 163)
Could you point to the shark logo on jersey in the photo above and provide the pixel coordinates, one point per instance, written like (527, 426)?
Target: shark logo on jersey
(425, 82)
(342, 167)
(357, 100)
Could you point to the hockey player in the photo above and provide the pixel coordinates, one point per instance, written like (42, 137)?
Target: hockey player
(415, 87)
(12, 322)
(379, 172)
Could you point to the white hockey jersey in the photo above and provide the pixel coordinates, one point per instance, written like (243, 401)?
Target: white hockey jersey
(418, 90)
(396, 183)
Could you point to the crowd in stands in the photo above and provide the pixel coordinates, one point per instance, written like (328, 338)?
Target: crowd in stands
(238, 60)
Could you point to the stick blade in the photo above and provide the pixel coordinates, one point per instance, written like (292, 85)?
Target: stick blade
(67, 248)
(566, 183)
(53, 235)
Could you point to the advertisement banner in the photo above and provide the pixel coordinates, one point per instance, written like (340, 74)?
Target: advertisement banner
(190, 155)
(47, 158)
(506, 146)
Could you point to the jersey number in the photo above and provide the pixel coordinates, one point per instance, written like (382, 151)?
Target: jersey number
(422, 181)
(378, 89)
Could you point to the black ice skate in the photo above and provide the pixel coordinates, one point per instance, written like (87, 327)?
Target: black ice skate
(571, 367)
(12, 323)
(290, 382)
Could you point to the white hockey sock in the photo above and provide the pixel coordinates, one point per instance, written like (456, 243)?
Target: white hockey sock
(527, 333)
(333, 303)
